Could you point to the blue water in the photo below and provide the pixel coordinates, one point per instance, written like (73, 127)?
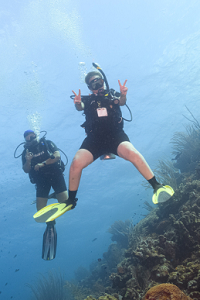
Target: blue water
(46, 47)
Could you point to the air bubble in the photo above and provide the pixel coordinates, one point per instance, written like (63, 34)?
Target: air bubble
(35, 122)
(83, 71)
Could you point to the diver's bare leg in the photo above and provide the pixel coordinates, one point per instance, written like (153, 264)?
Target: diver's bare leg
(81, 160)
(128, 152)
(41, 202)
(61, 197)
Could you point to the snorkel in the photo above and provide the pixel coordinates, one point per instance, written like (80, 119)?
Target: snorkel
(106, 92)
(104, 76)
(108, 89)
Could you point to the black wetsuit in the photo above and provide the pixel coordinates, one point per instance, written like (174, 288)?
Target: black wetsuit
(103, 125)
(49, 175)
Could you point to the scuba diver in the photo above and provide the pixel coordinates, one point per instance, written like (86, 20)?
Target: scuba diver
(41, 160)
(105, 134)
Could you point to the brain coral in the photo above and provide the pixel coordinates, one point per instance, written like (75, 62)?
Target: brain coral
(165, 291)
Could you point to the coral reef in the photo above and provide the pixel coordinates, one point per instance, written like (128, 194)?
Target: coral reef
(120, 232)
(105, 297)
(164, 247)
(165, 291)
(186, 147)
(168, 252)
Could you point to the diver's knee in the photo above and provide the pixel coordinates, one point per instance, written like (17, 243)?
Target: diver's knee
(131, 155)
(81, 160)
(41, 202)
(77, 164)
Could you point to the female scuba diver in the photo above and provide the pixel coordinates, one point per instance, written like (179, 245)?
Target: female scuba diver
(105, 134)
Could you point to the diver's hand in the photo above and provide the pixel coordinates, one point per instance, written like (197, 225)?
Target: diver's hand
(77, 101)
(38, 166)
(28, 156)
(123, 88)
(77, 98)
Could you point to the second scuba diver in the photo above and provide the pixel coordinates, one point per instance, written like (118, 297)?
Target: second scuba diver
(41, 160)
(105, 134)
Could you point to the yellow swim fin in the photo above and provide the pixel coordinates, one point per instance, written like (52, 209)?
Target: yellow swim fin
(162, 194)
(51, 212)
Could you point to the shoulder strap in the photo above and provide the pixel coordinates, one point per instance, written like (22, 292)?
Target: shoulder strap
(47, 148)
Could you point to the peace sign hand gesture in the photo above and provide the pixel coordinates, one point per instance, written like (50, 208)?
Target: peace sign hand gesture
(77, 98)
(123, 88)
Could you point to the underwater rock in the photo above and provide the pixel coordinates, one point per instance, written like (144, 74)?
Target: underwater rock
(165, 291)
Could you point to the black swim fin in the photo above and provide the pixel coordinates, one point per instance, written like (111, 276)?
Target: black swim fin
(49, 242)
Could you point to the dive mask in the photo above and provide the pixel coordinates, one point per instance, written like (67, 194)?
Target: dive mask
(96, 84)
(31, 138)
(34, 140)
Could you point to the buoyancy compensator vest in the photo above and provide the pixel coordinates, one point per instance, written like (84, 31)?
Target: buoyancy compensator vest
(102, 113)
(42, 150)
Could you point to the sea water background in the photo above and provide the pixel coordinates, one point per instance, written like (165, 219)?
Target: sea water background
(45, 49)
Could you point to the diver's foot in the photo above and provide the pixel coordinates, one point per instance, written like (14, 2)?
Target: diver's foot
(71, 201)
(51, 223)
(162, 193)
